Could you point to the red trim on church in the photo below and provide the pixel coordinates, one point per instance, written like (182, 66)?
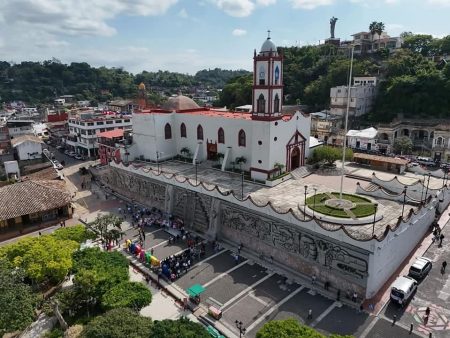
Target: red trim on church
(297, 140)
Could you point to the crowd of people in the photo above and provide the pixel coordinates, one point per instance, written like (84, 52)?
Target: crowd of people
(176, 265)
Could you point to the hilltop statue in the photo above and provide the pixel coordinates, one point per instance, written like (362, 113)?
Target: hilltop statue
(332, 26)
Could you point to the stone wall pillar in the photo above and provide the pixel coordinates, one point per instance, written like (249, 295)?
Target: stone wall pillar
(169, 202)
(214, 220)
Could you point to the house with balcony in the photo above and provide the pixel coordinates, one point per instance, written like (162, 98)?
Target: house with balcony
(362, 96)
(84, 127)
(325, 126)
(365, 43)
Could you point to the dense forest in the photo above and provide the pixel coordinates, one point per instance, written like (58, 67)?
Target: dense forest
(411, 81)
(41, 82)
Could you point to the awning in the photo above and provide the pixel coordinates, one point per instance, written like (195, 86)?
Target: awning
(213, 332)
(195, 290)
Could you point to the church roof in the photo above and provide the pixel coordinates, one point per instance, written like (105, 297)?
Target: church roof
(267, 47)
(179, 102)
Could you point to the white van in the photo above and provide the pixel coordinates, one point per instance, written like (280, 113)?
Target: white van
(403, 289)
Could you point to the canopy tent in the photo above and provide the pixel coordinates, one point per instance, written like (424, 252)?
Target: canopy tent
(195, 290)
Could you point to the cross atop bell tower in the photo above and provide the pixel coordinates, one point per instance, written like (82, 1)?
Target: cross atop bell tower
(267, 82)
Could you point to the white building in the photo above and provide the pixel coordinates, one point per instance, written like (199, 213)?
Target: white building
(20, 127)
(365, 139)
(27, 147)
(263, 137)
(83, 130)
(362, 96)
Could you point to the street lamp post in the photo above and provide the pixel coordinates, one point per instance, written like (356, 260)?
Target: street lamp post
(314, 200)
(374, 218)
(428, 184)
(404, 200)
(423, 188)
(242, 184)
(349, 88)
(157, 160)
(240, 327)
(304, 206)
(195, 163)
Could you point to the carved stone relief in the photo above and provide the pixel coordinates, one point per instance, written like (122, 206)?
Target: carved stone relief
(142, 189)
(295, 241)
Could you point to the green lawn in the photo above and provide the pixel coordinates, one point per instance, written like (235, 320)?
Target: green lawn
(359, 210)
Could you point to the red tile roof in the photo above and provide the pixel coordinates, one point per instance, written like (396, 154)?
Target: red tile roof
(29, 197)
(111, 133)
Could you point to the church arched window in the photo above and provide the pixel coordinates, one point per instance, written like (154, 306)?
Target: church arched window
(262, 75)
(276, 104)
(221, 136)
(183, 130)
(241, 138)
(199, 132)
(167, 132)
(277, 75)
(261, 106)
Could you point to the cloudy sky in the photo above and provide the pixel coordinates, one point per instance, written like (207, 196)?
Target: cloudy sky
(189, 35)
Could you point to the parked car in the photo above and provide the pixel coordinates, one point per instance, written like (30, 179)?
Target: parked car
(57, 165)
(79, 157)
(72, 154)
(420, 268)
(403, 289)
(67, 151)
(59, 147)
(426, 161)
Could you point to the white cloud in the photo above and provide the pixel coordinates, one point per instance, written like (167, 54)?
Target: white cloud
(238, 8)
(310, 4)
(76, 17)
(239, 32)
(241, 8)
(183, 13)
(440, 2)
(265, 2)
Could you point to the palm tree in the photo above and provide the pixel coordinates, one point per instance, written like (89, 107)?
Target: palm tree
(185, 151)
(379, 29)
(220, 157)
(240, 160)
(373, 29)
(279, 166)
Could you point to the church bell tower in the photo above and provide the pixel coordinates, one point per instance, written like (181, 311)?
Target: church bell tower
(267, 82)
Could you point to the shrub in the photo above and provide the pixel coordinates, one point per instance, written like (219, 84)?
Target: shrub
(134, 295)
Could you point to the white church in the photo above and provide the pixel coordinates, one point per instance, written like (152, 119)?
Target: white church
(264, 136)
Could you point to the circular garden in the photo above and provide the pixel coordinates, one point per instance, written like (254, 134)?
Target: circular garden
(350, 206)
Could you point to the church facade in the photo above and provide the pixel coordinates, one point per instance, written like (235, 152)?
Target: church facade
(263, 137)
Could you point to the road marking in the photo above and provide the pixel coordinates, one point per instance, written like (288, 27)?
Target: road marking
(215, 301)
(162, 243)
(369, 327)
(323, 314)
(259, 300)
(209, 258)
(273, 308)
(224, 273)
(152, 232)
(240, 294)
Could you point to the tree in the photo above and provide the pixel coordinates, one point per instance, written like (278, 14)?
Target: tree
(279, 166)
(220, 157)
(418, 43)
(44, 258)
(118, 323)
(181, 328)
(239, 161)
(132, 295)
(379, 28)
(17, 302)
(288, 328)
(237, 92)
(105, 224)
(373, 30)
(403, 145)
(96, 272)
(330, 154)
(78, 233)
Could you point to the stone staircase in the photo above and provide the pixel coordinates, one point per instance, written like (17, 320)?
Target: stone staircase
(371, 187)
(299, 173)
